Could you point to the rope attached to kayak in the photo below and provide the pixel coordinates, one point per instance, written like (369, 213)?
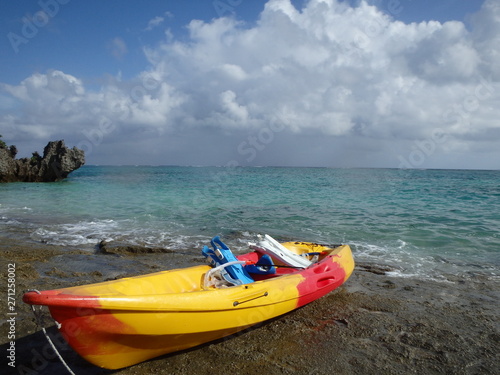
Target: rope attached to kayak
(38, 319)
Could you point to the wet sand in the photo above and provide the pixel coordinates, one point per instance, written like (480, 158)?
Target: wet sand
(374, 324)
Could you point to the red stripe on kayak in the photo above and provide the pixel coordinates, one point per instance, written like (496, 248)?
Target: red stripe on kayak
(56, 298)
(84, 324)
(90, 331)
(319, 279)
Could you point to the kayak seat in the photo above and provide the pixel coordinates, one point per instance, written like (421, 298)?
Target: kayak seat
(219, 255)
(264, 266)
(273, 248)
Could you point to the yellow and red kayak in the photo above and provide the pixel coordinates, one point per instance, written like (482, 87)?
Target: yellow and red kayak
(119, 323)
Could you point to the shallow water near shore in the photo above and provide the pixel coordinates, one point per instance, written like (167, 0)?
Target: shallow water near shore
(424, 223)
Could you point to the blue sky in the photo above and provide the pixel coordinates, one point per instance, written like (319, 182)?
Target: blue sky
(79, 36)
(78, 39)
(380, 83)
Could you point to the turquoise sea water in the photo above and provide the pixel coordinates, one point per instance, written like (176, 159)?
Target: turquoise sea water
(425, 223)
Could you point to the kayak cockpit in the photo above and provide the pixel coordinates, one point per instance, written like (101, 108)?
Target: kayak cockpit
(269, 259)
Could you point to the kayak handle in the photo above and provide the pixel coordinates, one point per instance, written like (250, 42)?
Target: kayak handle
(236, 303)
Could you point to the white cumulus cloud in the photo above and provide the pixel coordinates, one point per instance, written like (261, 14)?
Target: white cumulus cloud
(326, 70)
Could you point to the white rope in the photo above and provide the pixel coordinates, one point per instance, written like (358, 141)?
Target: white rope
(207, 282)
(38, 321)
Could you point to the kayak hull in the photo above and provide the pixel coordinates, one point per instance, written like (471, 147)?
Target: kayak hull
(119, 323)
(112, 339)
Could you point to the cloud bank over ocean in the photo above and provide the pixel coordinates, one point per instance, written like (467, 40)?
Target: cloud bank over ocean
(329, 85)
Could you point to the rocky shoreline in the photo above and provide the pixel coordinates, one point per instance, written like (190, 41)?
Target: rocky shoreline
(375, 324)
(57, 162)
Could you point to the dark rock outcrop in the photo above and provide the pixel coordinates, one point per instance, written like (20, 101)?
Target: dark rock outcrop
(118, 248)
(57, 162)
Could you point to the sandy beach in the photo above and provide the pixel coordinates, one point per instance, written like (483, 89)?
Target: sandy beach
(374, 324)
